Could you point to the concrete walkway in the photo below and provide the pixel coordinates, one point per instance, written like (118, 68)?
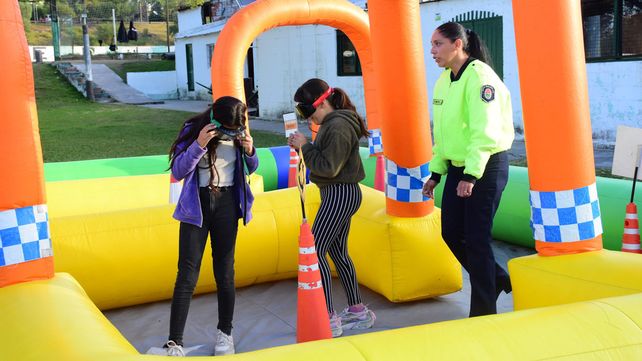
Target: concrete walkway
(111, 83)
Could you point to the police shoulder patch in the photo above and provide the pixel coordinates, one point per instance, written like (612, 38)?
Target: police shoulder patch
(438, 101)
(487, 93)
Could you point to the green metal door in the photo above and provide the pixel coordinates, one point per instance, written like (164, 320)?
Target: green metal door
(190, 67)
(489, 27)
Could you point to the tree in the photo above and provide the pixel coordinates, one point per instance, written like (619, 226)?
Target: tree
(25, 11)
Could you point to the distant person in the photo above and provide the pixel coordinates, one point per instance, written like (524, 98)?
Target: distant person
(213, 155)
(335, 167)
(473, 129)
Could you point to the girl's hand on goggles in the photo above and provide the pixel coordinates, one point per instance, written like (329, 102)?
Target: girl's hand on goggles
(207, 133)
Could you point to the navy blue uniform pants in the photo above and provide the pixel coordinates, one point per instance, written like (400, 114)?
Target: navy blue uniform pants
(466, 228)
(220, 221)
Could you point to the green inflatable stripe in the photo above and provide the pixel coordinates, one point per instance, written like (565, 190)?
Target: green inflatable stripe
(369, 165)
(512, 222)
(105, 168)
(267, 169)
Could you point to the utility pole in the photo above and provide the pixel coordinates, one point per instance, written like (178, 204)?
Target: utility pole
(89, 79)
(55, 29)
(113, 22)
(167, 23)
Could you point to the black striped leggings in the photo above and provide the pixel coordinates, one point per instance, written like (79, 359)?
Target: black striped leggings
(339, 202)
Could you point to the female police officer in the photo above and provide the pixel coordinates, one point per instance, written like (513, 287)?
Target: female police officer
(473, 129)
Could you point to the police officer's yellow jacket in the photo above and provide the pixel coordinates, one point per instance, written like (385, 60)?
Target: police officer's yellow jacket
(473, 119)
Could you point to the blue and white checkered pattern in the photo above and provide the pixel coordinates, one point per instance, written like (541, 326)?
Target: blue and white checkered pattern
(374, 142)
(405, 184)
(24, 235)
(566, 216)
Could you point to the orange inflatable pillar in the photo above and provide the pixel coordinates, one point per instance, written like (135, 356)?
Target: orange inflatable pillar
(564, 205)
(25, 247)
(397, 50)
(252, 20)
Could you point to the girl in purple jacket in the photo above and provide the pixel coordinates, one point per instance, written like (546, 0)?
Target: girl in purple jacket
(213, 155)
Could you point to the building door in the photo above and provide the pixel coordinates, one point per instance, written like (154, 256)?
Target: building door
(190, 67)
(489, 26)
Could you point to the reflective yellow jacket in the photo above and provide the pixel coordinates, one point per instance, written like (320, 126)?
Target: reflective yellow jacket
(472, 117)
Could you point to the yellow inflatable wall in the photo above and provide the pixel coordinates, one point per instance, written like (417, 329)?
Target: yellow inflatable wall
(104, 236)
(54, 320)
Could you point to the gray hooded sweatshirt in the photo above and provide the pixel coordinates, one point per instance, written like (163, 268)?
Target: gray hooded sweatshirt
(334, 156)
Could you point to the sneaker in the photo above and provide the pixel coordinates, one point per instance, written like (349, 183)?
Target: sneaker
(174, 349)
(224, 344)
(357, 320)
(335, 325)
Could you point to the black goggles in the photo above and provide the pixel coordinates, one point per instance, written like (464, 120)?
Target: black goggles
(229, 134)
(305, 111)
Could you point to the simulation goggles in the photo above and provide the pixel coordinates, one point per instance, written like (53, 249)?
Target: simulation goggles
(305, 111)
(230, 134)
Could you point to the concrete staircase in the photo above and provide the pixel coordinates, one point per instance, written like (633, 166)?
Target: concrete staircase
(77, 79)
(108, 86)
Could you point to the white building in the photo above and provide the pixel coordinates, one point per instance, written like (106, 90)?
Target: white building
(283, 58)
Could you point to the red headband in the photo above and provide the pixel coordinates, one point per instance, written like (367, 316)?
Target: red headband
(322, 98)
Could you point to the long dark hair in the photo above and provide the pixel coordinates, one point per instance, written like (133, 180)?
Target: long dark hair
(473, 45)
(227, 110)
(312, 89)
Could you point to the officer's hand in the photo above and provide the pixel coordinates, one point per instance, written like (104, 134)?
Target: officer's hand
(429, 189)
(465, 189)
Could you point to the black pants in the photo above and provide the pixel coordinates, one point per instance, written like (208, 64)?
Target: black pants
(339, 202)
(466, 228)
(220, 220)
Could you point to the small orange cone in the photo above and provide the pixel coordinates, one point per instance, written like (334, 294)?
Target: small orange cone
(312, 321)
(175, 188)
(294, 162)
(380, 174)
(631, 236)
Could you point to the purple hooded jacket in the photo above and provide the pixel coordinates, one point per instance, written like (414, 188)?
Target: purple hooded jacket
(188, 209)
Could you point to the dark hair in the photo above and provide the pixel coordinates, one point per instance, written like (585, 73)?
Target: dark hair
(312, 89)
(226, 110)
(473, 45)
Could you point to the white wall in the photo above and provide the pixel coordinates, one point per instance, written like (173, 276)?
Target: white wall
(286, 57)
(615, 97)
(201, 66)
(188, 19)
(435, 14)
(48, 51)
(155, 84)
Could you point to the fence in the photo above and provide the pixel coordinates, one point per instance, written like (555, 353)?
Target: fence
(119, 25)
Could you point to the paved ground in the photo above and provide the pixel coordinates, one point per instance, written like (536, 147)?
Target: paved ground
(265, 314)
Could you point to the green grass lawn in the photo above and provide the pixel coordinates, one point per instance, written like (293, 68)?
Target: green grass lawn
(122, 68)
(73, 128)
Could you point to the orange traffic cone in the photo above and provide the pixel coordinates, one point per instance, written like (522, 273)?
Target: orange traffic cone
(631, 236)
(175, 188)
(312, 321)
(380, 174)
(294, 162)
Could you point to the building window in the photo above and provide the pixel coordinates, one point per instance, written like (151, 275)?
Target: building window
(209, 51)
(612, 29)
(347, 59)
